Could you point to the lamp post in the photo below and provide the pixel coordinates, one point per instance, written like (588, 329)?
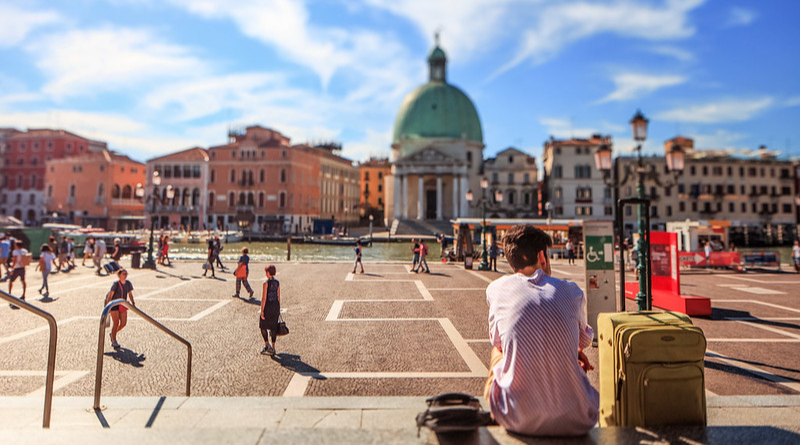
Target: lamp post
(155, 197)
(484, 265)
(675, 164)
(548, 207)
(370, 227)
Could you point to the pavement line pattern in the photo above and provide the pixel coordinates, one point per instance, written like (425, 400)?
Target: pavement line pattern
(764, 319)
(777, 306)
(482, 277)
(163, 289)
(423, 290)
(769, 328)
(297, 386)
(209, 311)
(763, 281)
(33, 331)
(71, 376)
(753, 340)
(563, 272)
(457, 288)
(789, 383)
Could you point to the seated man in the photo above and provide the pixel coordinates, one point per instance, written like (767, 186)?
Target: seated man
(537, 325)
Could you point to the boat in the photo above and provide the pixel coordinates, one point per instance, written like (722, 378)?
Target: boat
(340, 241)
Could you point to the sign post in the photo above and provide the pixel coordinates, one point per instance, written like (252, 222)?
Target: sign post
(598, 255)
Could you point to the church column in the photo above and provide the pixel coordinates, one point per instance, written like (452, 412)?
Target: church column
(404, 179)
(463, 197)
(397, 192)
(456, 191)
(419, 196)
(439, 197)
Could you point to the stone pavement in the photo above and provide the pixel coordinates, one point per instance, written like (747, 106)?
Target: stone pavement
(385, 340)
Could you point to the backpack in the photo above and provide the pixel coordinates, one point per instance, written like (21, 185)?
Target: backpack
(453, 412)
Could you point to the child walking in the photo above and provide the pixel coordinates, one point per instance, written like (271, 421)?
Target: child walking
(270, 310)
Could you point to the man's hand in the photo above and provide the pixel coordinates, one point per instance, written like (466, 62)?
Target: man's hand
(584, 361)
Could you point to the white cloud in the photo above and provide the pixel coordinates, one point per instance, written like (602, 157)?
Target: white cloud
(563, 23)
(721, 139)
(81, 62)
(732, 110)
(739, 16)
(564, 129)
(16, 24)
(673, 51)
(635, 86)
(373, 144)
(792, 101)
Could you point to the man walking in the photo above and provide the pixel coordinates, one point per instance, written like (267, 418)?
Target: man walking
(5, 252)
(358, 258)
(537, 381)
(20, 258)
(415, 251)
(99, 254)
(423, 254)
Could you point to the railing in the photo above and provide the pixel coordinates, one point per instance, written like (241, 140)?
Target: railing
(51, 356)
(101, 342)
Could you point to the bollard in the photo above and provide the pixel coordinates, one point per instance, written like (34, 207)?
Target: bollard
(288, 249)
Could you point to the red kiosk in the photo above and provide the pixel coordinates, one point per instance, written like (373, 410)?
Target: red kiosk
(666, 279)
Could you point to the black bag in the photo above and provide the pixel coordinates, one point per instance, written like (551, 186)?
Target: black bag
(282, 329)
(453, 412)
(112, 267)
(206, 266)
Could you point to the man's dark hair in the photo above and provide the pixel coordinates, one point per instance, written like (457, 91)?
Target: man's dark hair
(522, 245)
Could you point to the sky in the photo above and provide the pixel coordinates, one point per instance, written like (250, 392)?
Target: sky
(152, 77)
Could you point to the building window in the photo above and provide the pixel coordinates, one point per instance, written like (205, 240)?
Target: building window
(211, 201)
(282, 199)
(557, 193)
(495, 178)
(233, 154)
(787, 208)
(511, 178)
(72, 190)
(262, 176)
(212, 177)
(744, 207)
(231, 199)
(366, 175)
(608, 211)
(669, 211)
(283, 176)
(557, 171)
(380, 187)
(232, 178)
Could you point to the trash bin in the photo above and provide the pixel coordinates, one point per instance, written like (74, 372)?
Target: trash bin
(468, 262)
(136, 260)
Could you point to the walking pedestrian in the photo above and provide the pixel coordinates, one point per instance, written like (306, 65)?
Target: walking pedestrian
(99, 254)
(116, 254)
(796, 256)
(63, 252)
(423, 254)
(19, 260)
(46, 259)
(707, 250)
(358, 257)
(493, 251)
(209, 265)
(415, 251)
(88, 249)
(217, 250)
(165, 261)
(71, 252)
(5, 252)
(121, 289)
(160, 248)
(570, 252)
(270, 310)
(241, 273)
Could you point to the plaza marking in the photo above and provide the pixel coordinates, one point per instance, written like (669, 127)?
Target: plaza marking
(33, 331)
(457, 288)
(763, 281)
(478, 340)
(764, 319)
(753, 340)
(789, 383)
(66, 377)
(771, 329)
(482, 277)
(297, 385)
(759, 290)
(777, 306)
(563, 272)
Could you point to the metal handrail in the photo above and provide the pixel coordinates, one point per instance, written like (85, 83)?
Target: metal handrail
(101, 342)
(51, 356)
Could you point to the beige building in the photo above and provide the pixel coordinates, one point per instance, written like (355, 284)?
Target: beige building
(339, 185)
(514, 173)
(572, 185)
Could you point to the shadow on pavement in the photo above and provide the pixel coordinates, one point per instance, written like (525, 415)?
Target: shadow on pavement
(48, 299)
(163, 272)
(293, 363)
(125, 355)
(723, 313)
(252, 301)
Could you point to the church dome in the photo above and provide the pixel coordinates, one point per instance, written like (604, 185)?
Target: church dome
(437, 109)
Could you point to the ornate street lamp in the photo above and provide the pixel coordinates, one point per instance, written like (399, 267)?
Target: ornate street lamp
(498, 197)
(154, 198)
(675, 163)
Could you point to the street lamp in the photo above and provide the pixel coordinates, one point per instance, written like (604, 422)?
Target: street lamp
(548, 207)
(155, 197)
(675, 163)
(498, 197)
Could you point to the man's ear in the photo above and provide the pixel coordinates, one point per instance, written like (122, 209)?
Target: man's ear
(542, 258)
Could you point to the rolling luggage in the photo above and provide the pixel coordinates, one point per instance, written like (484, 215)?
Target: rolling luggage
(112, 267)
(651, 370)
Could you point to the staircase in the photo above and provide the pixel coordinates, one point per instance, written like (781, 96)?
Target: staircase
(420, 227)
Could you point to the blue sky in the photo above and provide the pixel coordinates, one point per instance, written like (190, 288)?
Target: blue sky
(156, 76)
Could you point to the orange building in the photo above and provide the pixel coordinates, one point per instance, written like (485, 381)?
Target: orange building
(373, 188)
(260, 182)
(95, 188)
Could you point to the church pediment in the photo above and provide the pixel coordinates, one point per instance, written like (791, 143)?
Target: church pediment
(429, 156)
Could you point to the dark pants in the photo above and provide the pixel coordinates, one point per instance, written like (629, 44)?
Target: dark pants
(239, 282)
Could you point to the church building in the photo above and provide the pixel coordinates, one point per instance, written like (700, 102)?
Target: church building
(437, 150)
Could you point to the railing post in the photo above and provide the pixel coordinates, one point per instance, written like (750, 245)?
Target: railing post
(51, 351)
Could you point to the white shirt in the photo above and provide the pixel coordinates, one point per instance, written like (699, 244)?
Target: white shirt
(48, 258)
(18, 254)
(708, 249)
(99, 247)
(796, 251)
(539, 387)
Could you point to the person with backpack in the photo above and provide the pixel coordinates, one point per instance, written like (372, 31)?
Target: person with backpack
(121, 289)
(19, 261)
(241, 273)
(423, 254)
(270, 310)
(46, 259)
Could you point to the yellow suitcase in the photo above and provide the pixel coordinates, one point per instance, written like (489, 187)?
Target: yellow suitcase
(651, 369)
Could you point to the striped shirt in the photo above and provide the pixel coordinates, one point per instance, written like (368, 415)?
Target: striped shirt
(539, 387)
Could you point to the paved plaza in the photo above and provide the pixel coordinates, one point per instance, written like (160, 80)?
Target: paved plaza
(386, 334)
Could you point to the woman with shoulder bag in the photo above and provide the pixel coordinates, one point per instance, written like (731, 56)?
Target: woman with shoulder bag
(270, 310)
(121, 289)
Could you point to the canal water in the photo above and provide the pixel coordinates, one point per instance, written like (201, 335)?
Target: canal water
(276, 251)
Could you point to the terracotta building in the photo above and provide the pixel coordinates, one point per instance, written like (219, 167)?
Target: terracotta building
(373, 175)
(260, 182)
(95, 188)
(23, 169)
(187, 173)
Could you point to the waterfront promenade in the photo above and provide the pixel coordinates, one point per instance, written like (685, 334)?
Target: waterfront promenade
(363, 352)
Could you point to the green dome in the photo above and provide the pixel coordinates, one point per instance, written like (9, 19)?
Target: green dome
(437, 110)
